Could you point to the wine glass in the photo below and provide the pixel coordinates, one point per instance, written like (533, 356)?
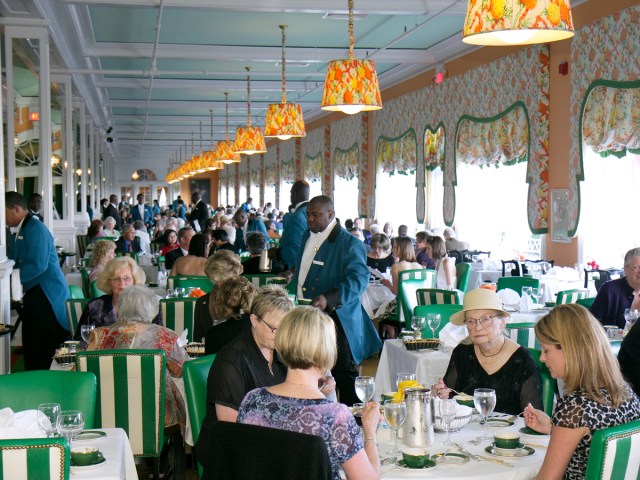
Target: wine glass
(394, 414)
(434, 320)
(417, 323)
(448, 414)
(527, 291)
(70, 423)
(484, 400)
(85, 332)
(364, 388)
(402, 377)
(48, 417)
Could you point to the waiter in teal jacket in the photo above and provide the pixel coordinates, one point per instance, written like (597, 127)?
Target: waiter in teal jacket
(295, 224)
(332, 271)
(44, 319)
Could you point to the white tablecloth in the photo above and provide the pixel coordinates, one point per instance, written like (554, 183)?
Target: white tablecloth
(374, 296)
(477, 276)
(528, 317)
(428, 365)
(552, 285)
(523, 468)
(116, 449)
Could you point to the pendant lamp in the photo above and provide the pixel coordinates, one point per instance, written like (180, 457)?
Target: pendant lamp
(517, 22)
(224, 149)
(284, 120)
(249, 139)
(351, 85)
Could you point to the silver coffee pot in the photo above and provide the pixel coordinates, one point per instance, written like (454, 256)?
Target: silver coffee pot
(265, 262)
(417, 429)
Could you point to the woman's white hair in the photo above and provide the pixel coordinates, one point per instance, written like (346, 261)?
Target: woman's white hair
(137, 304)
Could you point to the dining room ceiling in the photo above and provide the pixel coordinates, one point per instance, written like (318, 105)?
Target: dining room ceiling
(153, 69)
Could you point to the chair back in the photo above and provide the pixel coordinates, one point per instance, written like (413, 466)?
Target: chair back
(185, 281)
(549, 384)
(409, 281)
(445, 311)
(615, 453)
(75, 292)
(570, 296)
(532, 266)
(457, 255)
(523, 334)
(178, 314)
(283, 454)
(34, 459)
(131, 389)
(196, 373)
(155, 247)
(75, 306)
(430, 296)
(463, 272)
(95, 291)
(86, 283)
(516, 283)
(82, 241)
(259, 279)
(26, 390)
(586, 302)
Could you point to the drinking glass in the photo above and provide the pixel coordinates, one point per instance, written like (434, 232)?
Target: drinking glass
(85, 332)
(417, 323)
(48, 417)
(364, 388)
(401, 377)
(447, 414)
(394, 414)
(434, 320)
(70, 423)
(539, 293)
(484, 400)
(527, 291)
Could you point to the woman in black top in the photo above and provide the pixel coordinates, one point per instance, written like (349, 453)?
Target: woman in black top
(380, 257)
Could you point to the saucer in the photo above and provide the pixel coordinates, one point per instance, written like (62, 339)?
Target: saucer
(497, 422)
(89, 435)
(450, 458)
(520, 452)
(88, 467)
(507, 452)
(401, 464)
(532, 432)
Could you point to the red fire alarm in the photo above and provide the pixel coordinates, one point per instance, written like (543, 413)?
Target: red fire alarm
(563, 68)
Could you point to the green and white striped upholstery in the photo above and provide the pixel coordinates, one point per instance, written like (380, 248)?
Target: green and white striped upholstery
(444, 310)
(131, 389)
(409, 281)
(433, 296)
(82, 241)
(75, 306)
(523, 334)
(34, 459)
(615, 453)
(259, 279)
(178, 314)
(571, 296)
(185, 281)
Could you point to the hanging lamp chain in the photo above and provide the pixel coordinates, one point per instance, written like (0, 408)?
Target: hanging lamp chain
(226, 106)
(211, 112)
(200, 137)
(193, 143)
(248, 96)
(284, 64)
(352, 40)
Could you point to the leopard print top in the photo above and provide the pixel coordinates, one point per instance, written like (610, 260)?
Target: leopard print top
(575, 410)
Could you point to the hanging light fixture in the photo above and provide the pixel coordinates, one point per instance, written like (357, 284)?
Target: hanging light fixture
(351, 85)
(224, 149)
(284, 120)
(517, 22)
(249, 140)
(212, 162)
(135, 176)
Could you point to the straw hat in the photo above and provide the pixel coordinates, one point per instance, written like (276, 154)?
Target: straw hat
(479, 299)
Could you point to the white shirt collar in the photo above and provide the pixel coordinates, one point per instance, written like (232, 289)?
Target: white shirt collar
(299, 204)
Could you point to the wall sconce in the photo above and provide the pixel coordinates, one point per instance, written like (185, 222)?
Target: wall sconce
(135, 176)
(79, 172)
(34, 116)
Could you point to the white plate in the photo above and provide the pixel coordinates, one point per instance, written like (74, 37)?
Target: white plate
(81, 468)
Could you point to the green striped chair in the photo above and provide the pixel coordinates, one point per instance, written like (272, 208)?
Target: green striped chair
(571, 296)
(409, 281)
(516, 283)
(94, 290)
(523, 334)
(75, 306)
(131, 389)
(75, 292)
(82, 241)
(196, 373)
(463, 272)
(445, 311)
(586, 302)
(34, 459)
(259, 279)
(178, 314)
(549, 384)
(185, 281)
(432, 296)
(615, 453)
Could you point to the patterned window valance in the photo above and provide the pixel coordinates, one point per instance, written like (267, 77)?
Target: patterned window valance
(242, 176)
(397, 155)
(495, 141)
(611, 118)
(270, 175)
(345, 162)
(313, 167)
(434, 148)
(288, 171)
(255, 176)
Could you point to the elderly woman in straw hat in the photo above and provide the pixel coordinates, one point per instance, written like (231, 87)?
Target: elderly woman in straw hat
(488, 359)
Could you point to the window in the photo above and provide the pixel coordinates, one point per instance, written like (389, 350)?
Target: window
(396, 200)
(345, 198)
(435, 198)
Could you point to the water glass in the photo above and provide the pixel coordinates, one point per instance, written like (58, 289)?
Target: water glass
(401, 377)
(448, 415)
(48, 417)
(434, 320)
(365, 387)
(85, 332)
(70, 423)
(394, 414)
(527, 291)
(418, 323)
(484, 400)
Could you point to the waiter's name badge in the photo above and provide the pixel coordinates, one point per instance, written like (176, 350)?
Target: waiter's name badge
(318, 262)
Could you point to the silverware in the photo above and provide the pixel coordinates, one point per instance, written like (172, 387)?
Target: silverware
(535, 445)
(388, 461)
(478, 458)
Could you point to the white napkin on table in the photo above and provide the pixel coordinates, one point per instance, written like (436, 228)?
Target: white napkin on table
(563, 273)
(451, 335)
(19, 425)
(508, 296)
(525, 304)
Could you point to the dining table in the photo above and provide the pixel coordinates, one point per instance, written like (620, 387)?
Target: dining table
(375, 296)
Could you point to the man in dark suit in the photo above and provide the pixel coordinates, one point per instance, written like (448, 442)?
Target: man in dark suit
(295, 224)
(244, 226)
(111, 210)
(199, 213)
(142, 212)
(128, 242)
(184, 239)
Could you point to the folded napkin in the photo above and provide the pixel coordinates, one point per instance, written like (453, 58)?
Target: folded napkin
(563, 273)
(509, 297)
(450, 336)
(19, 425)
(525, 304)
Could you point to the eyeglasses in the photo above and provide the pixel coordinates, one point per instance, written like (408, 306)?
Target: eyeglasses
(126, 279)
(634, 268)
(273, 330)
(482, 321)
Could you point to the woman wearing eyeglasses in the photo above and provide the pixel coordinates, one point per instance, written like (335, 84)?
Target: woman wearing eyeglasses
(489, 359)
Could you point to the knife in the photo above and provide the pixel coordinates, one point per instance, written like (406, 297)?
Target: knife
(488, 459)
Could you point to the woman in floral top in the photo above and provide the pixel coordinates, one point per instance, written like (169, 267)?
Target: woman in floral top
(137, 307)
(576, 350)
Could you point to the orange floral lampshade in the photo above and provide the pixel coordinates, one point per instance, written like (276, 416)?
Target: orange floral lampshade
(249, 140)
(517, 22)
(351, 86)
(225, 153)
(284, 120)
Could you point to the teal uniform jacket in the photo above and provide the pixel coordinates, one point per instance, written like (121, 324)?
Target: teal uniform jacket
(339, 272)
(295, 226)
(35, 255)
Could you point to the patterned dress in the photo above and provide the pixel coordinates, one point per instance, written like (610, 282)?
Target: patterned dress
(575, 410)
(331, 421)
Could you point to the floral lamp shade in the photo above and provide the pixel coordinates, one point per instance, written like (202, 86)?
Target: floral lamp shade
(249, 140)
(225, 153)
(351, 86)
(517, 22)
(284, 120)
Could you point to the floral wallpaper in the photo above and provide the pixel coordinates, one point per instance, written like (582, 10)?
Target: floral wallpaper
(313, 143)
(606, 49)
(397, 155)
(346, 162)
(313, 167)
(433, 147)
